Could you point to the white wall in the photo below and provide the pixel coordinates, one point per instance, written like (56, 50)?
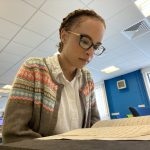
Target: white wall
(147, 84)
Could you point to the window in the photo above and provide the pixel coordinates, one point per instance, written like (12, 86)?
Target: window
(146, 76)
(102, 101)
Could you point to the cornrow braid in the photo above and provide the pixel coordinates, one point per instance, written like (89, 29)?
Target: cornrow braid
(73, 18)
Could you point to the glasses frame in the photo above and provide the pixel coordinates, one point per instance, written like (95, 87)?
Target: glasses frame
(92, 44)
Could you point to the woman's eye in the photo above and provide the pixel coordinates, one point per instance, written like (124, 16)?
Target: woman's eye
(85, 42)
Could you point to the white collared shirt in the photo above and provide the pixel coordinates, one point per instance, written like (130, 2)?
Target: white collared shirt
(70, 113)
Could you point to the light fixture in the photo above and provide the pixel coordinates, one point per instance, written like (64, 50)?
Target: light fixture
(56, 53)
(5, 89)
(8, 87)
(110, 69)
(144, 6)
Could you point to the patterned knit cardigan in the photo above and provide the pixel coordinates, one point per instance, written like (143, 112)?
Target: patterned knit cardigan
(33, 103)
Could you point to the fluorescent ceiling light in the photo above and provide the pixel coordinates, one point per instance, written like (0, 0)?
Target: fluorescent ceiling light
(5, 89)
(110, 69)
(144, 6)
(8, 87)
(56, 53)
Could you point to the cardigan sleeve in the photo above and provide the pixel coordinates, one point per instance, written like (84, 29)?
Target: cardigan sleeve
(18, 110)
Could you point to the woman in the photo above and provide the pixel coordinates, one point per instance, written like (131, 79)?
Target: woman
(55, 95)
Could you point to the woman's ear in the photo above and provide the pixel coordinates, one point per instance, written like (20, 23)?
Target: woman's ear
(64, 36)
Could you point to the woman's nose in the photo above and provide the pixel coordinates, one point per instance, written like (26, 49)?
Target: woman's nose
(90, 52)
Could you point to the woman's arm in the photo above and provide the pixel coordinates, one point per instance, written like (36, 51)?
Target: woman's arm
(18, 112)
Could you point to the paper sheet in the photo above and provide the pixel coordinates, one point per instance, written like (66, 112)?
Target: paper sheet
(141, 132)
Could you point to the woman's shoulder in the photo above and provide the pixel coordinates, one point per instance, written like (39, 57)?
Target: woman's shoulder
(34, 60)
(34, 63)
(87, 73)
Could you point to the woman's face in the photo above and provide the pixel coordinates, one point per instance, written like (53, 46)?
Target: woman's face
(74, 54)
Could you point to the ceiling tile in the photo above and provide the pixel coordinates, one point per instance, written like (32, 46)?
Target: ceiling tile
(121, 21)
(16, 11)
(97, 62)
(114, 55)
(17, 49)
(139, 59)
(28, 38)
(8, 77)
(48, 46)
(36, 3)
(86, 1)
(4, 65)
(143, 43)
(124, 49)
(115, 41)
(110, 32)
(128, 66)
(39, 54)
(109, 8)
(7, 57)
(55, 36)
(59, 9)
(43, 24)
(3, 42)
(7, 29)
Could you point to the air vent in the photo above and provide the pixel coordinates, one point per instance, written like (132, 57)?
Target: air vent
(137, 29)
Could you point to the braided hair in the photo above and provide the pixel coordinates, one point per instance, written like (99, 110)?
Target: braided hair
(73, 18)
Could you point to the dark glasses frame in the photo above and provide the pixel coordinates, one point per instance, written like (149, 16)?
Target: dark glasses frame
(98, 48)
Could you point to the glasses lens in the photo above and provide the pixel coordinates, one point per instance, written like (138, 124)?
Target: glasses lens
(99, 50)
(85, 42)
(97, 46)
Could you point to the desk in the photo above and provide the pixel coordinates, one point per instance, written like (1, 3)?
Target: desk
(0, 134)
(0, 137)
(76, 145)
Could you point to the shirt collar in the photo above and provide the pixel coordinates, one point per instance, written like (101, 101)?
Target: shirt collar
(57, 70)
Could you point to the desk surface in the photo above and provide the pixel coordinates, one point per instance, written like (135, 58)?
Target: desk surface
(76, 145)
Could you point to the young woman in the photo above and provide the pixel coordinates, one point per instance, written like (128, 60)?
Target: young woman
(55, 95)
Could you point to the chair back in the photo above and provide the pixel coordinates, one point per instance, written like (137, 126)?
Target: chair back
(140, 111)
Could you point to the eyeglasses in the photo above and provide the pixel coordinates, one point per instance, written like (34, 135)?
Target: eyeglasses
(86, 43)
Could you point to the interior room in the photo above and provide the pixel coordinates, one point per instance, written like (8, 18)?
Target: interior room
(30, 28)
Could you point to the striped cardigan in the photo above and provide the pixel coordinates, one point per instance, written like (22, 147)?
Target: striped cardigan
(33, 103)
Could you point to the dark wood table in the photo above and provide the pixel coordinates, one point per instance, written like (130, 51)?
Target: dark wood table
(0, 134)
(76, 145)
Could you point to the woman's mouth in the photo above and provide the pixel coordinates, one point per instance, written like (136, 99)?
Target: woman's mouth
(84, 60)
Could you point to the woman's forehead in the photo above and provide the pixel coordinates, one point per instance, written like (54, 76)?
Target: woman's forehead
(91, 27)
(82, 20)
(87, 23)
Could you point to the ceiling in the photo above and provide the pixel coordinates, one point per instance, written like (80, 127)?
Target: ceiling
(29, 28)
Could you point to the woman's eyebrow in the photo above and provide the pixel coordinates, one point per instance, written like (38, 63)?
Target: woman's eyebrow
(98, 43)
(83, 34)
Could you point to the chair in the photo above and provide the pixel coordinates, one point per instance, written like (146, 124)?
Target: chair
(140, 111)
